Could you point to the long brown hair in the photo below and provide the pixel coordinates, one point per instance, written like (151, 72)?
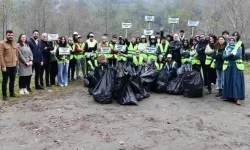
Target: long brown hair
(220, 46)
(20, 42)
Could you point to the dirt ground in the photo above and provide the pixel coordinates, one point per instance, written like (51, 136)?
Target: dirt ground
(73, 121)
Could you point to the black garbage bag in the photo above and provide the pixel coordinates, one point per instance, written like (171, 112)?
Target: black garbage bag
(125, 94)
(120, 73)
(193, 85)
(175, 87)
(161, 82)
(138, 89)
(103, 91)
(149, 75)
(86, 81)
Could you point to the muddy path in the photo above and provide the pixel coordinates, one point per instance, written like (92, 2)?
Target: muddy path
(73, 121)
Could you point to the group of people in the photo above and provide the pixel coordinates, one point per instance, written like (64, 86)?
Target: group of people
(219, 59)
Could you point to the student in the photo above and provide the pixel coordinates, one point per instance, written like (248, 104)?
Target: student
(185, 58)
(171, 67)
(163, 48)
(8, 51)
(46, 49)
(182, 36)
(153, 44)
(196, 63)
(25, 64)
(35, 46)
(202, 56)
(80, 57)
(112, 56)
(120, 58)
(233, 69)
(174, 49)
(132, 46)
(218, 63)
(72, 61)
(159, 64)
(63, 63)
(142, 47)
(92, 63)
(210, 72)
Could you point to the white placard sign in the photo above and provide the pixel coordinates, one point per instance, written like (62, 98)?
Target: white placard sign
(126, 25)
(151, 50)
(192, 23)
(173, 20)
(149, 18)
(120, 48)
(105, 50)
(148, 32)
(53, 37)
(64, 51)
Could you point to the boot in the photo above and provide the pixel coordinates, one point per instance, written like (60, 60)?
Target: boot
(219, 94)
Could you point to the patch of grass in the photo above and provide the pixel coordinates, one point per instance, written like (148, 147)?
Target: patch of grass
(247, 68)
(52, 91)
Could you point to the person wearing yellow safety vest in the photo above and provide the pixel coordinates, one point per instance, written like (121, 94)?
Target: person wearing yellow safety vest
(113, 54)
(137, 59)
(185, 58)
(92, 63)
(195, 61)
(153, 44)
(72, 61)
(132, 46)
(142, 47)
(236, 35)
(90, 48)
(233, 69)
(120, 58)
(104, 43)
(210, 72)
(171, 67)
(63, 63)
(80, 57)
(218, 63)
(163, 47)
(160, 63)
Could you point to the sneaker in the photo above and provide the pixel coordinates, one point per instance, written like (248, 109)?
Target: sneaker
(5, 98)
(21, 92)
(26, 91)
(66, 85)
(60, 85)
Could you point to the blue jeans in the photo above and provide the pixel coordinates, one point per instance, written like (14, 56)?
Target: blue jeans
(63, 74)
(220, 78)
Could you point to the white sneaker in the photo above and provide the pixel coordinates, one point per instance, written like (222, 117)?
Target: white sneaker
(26, 91)
(66, 85)
(21, 92)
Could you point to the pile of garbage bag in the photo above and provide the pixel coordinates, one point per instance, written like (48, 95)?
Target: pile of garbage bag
(128, 85)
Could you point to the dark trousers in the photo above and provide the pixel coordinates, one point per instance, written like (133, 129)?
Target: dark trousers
(46, 68)
(9, 74)
(24, 82)
(72, 68)
(53, 72)
(37, 67)
(204, 71)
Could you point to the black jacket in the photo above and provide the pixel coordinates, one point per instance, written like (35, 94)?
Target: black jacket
(46, 48)
(219, 59)
(201, 49)
(174, 49)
